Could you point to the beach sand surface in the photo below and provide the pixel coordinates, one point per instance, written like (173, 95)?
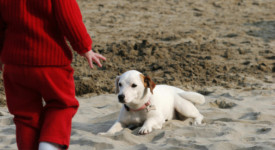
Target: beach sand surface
(234, 119)
(224, 50)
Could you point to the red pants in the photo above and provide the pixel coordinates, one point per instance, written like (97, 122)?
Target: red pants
(25, 87)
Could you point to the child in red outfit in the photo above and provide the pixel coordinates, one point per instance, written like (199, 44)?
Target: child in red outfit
(37, 62)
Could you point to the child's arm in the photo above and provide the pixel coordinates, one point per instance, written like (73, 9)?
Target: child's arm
(70, 22)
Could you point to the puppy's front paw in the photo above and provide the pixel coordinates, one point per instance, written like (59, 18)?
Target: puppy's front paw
(198, 120)
(145, 130)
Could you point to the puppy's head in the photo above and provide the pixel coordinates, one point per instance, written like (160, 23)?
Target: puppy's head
(131, 86)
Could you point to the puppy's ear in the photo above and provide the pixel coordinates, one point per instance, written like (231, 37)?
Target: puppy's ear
(148, 83)
(117, 87)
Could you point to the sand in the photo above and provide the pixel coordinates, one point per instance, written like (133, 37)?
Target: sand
(234, 119)
(222, 49)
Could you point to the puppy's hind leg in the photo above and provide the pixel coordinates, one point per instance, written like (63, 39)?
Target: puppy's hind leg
(187, 109)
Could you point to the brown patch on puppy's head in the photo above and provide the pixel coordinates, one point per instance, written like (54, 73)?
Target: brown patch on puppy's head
(147, 82)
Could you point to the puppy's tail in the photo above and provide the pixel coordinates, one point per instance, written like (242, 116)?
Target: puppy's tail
(193, 97)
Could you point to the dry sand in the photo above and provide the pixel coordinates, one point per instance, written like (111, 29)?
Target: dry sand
(222, 49)
(234, 119)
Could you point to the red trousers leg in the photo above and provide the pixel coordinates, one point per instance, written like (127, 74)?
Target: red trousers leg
(25, 87)
(61, 105)
(25, 103)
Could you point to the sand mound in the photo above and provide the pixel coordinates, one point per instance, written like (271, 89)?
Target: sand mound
(182, 43)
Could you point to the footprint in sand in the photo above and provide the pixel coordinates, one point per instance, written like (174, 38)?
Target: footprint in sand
(230, 96)
(223, 104)
(251, 116)
(263, 130)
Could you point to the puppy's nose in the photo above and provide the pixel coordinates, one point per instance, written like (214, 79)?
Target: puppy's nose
(121, 98)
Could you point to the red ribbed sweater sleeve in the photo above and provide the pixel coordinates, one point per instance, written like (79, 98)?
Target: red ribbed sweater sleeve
(35, 32)
(69, 19)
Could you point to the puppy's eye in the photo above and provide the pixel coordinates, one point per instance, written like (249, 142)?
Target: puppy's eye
(134, 85)
(119, 84)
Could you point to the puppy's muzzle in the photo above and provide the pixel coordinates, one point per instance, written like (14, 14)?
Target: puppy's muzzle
(121, 98)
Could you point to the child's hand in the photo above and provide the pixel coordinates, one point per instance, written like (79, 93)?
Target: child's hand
(93, 57)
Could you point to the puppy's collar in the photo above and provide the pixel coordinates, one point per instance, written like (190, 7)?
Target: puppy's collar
(147, 106)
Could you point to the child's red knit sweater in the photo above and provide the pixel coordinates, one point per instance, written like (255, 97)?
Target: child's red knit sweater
(33, 32)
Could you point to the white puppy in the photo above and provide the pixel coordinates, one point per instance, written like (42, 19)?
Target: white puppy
(151, 105)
